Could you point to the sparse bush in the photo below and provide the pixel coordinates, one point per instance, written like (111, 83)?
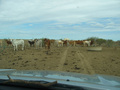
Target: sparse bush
(92, 38)
(100, 41)
(97, 40)
(109, 43)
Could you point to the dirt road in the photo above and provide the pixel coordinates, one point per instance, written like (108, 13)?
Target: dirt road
(62, 60)
(85, 63)
(68, 59)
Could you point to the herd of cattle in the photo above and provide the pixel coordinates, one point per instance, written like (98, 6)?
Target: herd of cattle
(39, 43)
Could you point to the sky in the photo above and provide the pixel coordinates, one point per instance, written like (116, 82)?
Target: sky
(59, 19)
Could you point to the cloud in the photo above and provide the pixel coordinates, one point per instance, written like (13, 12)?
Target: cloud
(96, 24)
(63, 16)
(30, 24)
(63, 11)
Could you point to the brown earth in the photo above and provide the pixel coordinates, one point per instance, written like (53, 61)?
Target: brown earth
(69, 59)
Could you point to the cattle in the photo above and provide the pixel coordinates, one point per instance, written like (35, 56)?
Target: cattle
(59, 43)
(47, 43)
(92, 42)
(8, 42)
(31, 42)
(72, 43)
(52, 41)
(79, 42)
(39, 43)
(0, 42)
(87, 42)
(65, 43)
(66, 39)
(84, 42)
(15, 43)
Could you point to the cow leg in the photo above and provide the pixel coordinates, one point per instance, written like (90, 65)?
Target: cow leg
(22, 47)
(88, 44)
(84, 44)
(48, 47)
(14, 48)
(41, 45)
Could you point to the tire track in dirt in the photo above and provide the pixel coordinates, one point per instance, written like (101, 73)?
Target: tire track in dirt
(85, 63)
(62, 60)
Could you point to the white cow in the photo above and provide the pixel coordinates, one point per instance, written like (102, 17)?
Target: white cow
(38, 43)
(16, 42)
(66, 39)
(87, 42)
(59, 42)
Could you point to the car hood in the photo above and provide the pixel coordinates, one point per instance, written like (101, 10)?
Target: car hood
(76, 79)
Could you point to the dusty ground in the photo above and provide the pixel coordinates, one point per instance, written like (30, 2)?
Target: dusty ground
(70, 59)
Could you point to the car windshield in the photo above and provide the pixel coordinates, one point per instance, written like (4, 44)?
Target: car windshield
(78, 36)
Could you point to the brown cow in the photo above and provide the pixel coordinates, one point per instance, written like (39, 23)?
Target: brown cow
(72, 43)
(47, 43)
(65, 42)
(92, 42)
(8, 42)
(52, 41)
(79, 42)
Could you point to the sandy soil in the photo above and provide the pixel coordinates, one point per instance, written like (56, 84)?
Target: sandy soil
(69, 59)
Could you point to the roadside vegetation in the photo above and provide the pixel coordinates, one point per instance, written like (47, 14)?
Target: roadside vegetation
(105, 42)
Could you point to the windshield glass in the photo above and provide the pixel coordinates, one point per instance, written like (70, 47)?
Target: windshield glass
(78, 36)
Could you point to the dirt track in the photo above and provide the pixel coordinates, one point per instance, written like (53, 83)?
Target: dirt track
(70, 59)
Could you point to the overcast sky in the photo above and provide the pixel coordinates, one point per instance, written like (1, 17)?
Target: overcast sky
(59, 19)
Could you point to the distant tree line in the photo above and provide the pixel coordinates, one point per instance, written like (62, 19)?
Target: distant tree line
(105, 42)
